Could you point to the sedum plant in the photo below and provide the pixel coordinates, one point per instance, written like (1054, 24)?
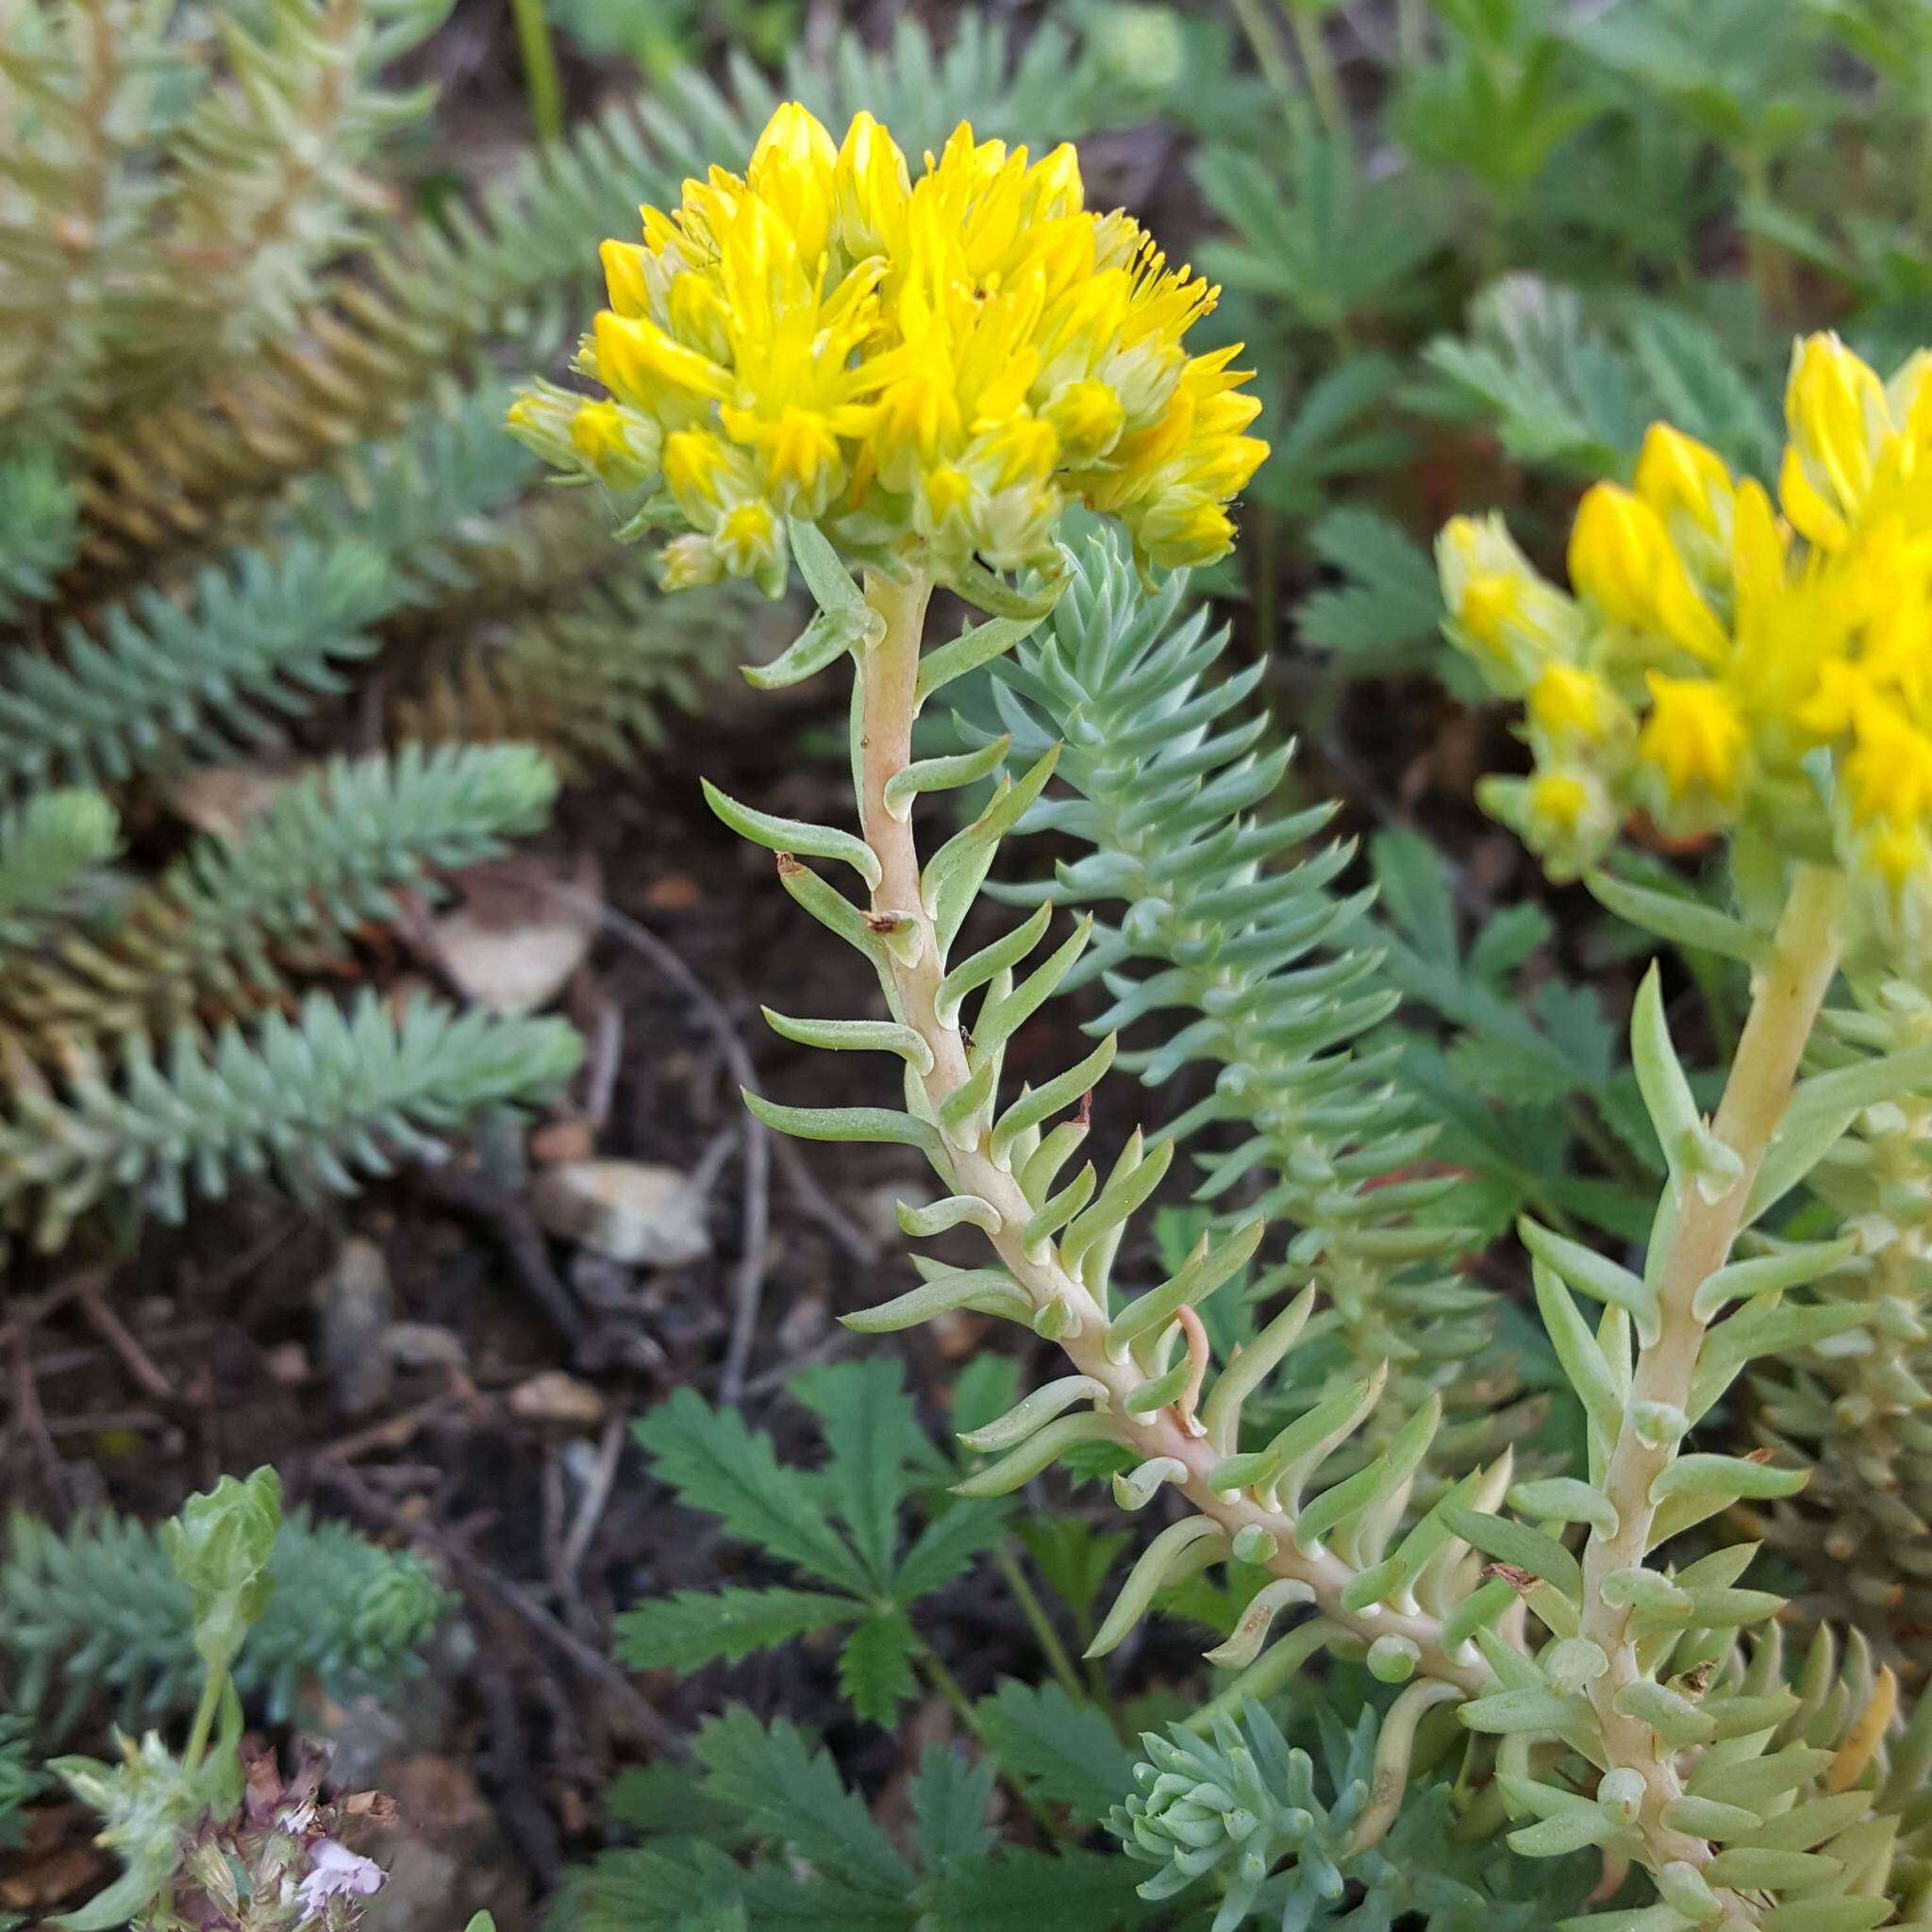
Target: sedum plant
(832, 362)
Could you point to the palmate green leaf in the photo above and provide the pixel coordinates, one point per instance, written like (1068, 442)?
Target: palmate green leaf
(701, 1626)
(1416, 897)
(876, 1441)
(1069, 1890)
(1337, 427)
(667, 1887)
(793, 1793)
(662, 1800)
(946, 1546)
(1747, 76)
(1561, 391)
(950, 1794)
(777, 1899)
(1066, 1753)
(1315, 232)
(875, 1667)
(718, 1465)
(1387, 612)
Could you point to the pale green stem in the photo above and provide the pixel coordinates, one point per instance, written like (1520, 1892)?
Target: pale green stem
(1270, 55)
(934, 1669)
(205, 1713)
(1785, 1000)
(1057, 1661)
(539, 67)
(1311, 43)
(948, 1685)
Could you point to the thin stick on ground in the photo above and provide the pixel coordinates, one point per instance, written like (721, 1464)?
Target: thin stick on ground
(748, 1287)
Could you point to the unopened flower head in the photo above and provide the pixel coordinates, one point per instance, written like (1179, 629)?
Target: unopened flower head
(1725, 662)
(930, 369)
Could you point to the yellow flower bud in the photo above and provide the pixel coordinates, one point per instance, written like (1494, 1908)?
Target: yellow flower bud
(871, 186)
(541, 419)
(1897, 854)
(626, 277)
(1677, 475)
(1888, 776)
(1489, 602)
(1836, 413)
(948, 493)
(620, 445)
(1088, 418)
(1693, 738)
(698, 469)
(1186, 532)
(1563, 813)
(1569, 703)
(689, 562)
(749, 540)
(1560, 800)
(641, 365)
(1510, 619)
(791, 168)
(1622, 561)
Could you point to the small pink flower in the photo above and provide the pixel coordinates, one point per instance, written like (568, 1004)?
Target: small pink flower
(337, 1872)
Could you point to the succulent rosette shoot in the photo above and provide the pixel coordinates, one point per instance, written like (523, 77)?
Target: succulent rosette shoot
(930, 369)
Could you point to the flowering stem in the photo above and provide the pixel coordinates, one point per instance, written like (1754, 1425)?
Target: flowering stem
(1784, 1008)
(888, 675)
(205, 1712)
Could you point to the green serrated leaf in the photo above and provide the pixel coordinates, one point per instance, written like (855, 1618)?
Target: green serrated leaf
(950, 1795)
(718, 1465)
(1066, 1753)
(873, 1433)
(794, 1793)
(693, 1627)
(875, 1667)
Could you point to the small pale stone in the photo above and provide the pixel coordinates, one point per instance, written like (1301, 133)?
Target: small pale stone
(628, 1210)
(353, 1305)
(426, 1345)
(522, 928)
(554, 1397)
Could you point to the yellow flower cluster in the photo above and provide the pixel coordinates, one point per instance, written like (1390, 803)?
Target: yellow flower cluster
(1723, 661)
(929, 369)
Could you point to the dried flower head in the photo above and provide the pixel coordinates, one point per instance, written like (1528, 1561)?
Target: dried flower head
(1725, 662)
(930, 369)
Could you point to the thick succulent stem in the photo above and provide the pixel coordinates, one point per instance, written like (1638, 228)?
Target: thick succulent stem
(1790, 992)
(888, 671)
